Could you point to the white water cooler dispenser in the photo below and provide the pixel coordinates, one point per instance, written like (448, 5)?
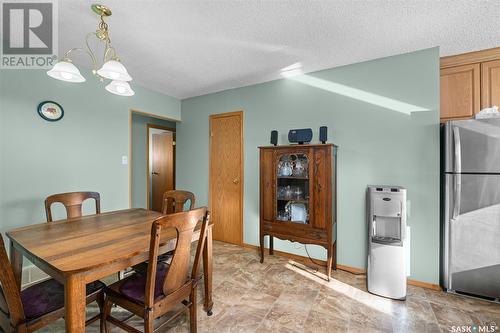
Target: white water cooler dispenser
(386, 210)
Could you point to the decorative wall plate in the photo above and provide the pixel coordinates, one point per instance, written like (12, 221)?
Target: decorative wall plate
(50, 111)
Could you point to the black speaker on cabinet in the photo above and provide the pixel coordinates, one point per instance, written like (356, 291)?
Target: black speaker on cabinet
(323, 134)
(300, 136)
(274, 138)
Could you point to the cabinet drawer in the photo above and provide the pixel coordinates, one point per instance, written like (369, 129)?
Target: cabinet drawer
(294, 231)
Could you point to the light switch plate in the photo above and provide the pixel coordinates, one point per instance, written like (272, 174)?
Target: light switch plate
(124, 160)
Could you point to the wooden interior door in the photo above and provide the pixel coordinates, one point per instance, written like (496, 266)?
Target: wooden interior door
(162, 175)
(460, 91)
(490, 85)
(226, 176)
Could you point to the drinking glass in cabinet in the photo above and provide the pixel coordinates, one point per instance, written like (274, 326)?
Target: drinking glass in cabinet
(285, 168)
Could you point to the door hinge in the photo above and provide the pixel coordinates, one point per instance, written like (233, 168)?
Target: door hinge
(173, 143)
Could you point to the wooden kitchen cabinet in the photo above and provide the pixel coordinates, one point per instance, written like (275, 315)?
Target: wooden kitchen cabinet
(469, 83)
(460, 92)
(490, 83)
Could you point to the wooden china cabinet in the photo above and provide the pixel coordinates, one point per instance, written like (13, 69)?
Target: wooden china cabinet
(298, 196)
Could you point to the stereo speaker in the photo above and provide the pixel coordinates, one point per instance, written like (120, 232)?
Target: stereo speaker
(323, 134)
(300, 136)
(274, 138)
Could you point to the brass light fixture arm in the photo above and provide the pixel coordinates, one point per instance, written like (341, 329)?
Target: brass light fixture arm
(107, 55)
(102, 34)
(89, 49)
(67, 55)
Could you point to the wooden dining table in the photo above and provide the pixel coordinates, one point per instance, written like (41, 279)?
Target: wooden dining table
(82, 250)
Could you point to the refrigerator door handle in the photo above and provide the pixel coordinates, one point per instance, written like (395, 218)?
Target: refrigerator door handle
(457, 186)
(458, 150)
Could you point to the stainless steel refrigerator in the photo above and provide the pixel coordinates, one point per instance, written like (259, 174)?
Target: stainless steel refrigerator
(471, 207)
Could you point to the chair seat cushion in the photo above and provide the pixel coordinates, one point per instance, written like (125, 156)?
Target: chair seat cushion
(134, 287)
(48, 296)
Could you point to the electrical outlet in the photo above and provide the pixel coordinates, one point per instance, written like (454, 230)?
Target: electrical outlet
(124, 160)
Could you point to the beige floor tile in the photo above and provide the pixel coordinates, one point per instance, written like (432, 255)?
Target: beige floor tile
(260, 302)
(228, 292)
(268, 326)
(321, 322)
(239, 319)
(282, 315)
(448, 316)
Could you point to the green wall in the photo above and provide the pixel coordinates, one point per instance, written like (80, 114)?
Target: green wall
(376, 145)
(139, 154)
(83, 151)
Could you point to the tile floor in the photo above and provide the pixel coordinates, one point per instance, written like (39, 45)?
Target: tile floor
(277, 296)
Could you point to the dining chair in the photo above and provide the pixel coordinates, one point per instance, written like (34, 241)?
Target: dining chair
(38, 305)
(72, 201)
(164, 286)
(176, 200)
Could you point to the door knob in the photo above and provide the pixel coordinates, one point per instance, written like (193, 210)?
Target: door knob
(155, 173)
(236, 181)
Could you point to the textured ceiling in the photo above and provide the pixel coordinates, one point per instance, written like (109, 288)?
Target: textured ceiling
(190, 48)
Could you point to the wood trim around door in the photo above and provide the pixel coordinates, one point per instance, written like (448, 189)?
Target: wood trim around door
(148, 175)
(242, 174)
(130, 139)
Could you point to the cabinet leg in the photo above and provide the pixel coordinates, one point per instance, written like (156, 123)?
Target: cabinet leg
(271, 245)
(329, 261)
(261, 248)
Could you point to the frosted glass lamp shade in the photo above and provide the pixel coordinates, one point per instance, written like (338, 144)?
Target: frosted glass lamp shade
(114, 70)
(120, 88)
(66, 71)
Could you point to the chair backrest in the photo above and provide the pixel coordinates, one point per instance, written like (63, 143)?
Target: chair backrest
(72, 201)
(184, 224)
(11, 307)
(177, 199)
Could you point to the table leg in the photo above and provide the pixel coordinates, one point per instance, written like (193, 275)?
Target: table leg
(74, 303)
(207, 272)
(16, 261)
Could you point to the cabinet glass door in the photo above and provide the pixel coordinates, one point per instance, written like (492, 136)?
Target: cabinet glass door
(292, 188)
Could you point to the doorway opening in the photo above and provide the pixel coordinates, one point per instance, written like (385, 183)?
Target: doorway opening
(146, 131)
(160, 164)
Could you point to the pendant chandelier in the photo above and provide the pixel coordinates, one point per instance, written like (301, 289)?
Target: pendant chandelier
(111, 69)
